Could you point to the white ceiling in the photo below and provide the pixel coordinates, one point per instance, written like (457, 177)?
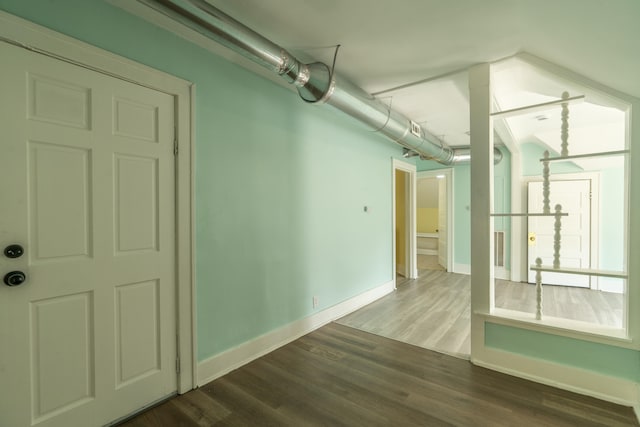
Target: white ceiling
(392, 42)
(386, 44)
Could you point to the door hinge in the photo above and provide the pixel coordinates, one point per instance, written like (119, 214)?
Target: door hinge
(175, 141)
(177, 365)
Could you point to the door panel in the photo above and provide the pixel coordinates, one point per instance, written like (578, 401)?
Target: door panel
(59, 102)
(90, 336)
(575, 242)
(137, 331)
(135, 120)
(62, 371)
(136, 184)
(60, 202)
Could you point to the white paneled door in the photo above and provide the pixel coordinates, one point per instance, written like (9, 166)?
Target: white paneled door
(575, 244)
(87, 190)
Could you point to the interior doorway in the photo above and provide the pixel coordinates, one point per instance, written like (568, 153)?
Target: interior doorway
(404, 220)
(433, 219)
(428, 219)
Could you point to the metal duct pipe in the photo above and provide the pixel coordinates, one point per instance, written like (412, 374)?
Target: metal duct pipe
(315, 82)
(463, 154)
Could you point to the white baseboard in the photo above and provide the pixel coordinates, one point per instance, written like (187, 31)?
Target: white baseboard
(422, 251)
(600, 386)
(220, 364)
(498, 272)
(461, 268)
(428, 235)
(501, 273)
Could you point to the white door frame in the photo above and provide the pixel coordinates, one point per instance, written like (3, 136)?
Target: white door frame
(47, 42)
(448, 176)
(411, 209)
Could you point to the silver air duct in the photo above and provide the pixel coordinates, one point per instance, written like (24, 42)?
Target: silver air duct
(315, 82)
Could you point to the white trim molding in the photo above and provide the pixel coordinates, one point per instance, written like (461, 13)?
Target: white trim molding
(582, 381)
(430, 235)
(25, 34)
(225, 362)
(462, 268)
(427, 251)
(502, 273)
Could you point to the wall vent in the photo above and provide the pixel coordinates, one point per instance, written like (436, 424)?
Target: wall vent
(415, 129)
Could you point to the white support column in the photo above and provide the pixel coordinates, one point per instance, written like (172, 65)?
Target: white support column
(482, 289)
(519, 267)
(632, 219)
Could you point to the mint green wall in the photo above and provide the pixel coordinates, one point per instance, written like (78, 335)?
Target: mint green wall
(611, 230)
(280, 185)
(462, 214)
(608, 360)
(502, 201)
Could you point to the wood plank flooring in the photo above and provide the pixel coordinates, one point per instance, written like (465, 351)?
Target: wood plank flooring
(433, 311)
(429, 262)
(340, 376)
(602, 308)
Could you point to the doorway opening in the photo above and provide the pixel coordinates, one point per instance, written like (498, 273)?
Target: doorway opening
(433, 220)
(404, 220)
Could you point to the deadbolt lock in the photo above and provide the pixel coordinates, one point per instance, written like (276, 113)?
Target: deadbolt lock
(13, 251)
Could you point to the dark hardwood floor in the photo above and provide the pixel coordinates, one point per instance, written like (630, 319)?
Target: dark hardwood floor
(340, 376)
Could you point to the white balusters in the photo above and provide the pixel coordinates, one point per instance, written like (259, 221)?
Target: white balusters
(546, 204)
(556, 237)
(538, 290)
(564, 129)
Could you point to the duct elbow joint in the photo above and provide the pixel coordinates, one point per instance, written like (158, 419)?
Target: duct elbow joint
(317, 84)
(290, 68)
(463, 155)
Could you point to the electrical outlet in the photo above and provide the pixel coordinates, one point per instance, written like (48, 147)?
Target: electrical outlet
(315, 302)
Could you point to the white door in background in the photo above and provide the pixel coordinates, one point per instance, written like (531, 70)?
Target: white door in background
(88, 191)
(442, 222)
(575, 250)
